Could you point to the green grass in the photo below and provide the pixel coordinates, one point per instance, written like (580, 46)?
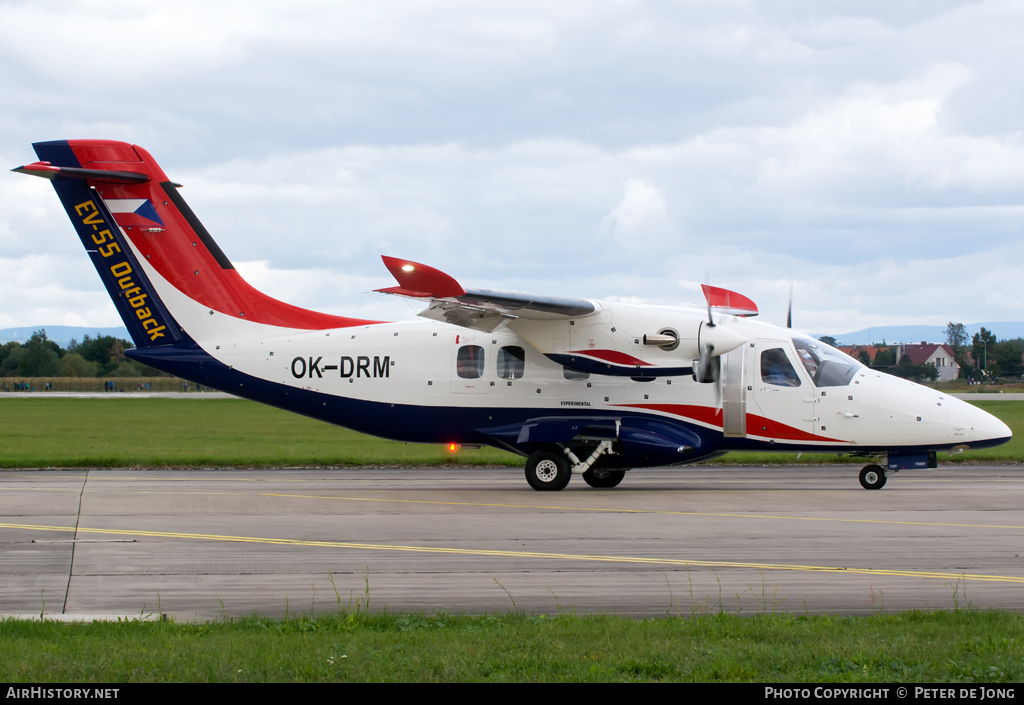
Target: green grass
(951, 646)
(68, 432)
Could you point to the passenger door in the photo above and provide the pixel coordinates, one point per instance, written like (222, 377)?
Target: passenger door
(782, 393)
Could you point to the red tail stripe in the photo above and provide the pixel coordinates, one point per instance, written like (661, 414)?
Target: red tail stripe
(179, 255)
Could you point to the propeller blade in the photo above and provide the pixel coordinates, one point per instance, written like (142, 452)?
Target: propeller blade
(709, 364)
(789, 313)
(706, 288)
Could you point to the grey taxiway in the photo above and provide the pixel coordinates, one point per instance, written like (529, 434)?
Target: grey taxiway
(205, 544)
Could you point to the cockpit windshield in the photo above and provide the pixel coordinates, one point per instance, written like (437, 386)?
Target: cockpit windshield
(826, 366)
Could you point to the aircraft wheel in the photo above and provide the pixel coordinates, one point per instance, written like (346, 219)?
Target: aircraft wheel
(547, 471)
(597, 477)
(872, 477)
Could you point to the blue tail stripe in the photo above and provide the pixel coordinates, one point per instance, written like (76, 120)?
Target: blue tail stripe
(144, 315)
(57, 152)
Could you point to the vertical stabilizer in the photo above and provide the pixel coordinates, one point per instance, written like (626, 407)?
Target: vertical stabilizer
(145, 241)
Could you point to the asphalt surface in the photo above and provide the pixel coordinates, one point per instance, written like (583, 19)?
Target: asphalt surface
(202, 544)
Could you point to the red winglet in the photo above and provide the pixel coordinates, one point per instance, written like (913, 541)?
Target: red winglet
(729, 301)
(40, 166)
(419, 280)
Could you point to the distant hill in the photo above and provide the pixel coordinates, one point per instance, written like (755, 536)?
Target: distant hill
(931, 334)
(61, 335)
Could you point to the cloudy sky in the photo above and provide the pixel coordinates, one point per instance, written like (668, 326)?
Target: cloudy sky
(869, 152)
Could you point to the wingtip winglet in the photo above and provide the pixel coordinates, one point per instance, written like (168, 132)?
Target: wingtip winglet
(420, 280)
(728, 301)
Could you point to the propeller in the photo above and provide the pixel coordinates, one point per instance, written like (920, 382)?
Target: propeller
(707, 372)
(713, 339)
(709, 365)
(789, 313)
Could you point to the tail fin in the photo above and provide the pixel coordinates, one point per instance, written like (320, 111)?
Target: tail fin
(158, 262)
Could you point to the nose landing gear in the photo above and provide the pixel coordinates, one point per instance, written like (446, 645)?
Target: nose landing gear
(872, 477)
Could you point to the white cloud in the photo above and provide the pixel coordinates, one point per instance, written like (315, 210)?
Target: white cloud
(641, 209)
(869, 152)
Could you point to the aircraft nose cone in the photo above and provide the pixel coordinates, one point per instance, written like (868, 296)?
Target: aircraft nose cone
(976, 427)
(988, 428)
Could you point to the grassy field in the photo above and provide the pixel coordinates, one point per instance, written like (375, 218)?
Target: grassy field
(67, 432)
(951, 646)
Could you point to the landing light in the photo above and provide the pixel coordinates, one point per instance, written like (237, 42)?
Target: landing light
(407, 268)
(453, 447)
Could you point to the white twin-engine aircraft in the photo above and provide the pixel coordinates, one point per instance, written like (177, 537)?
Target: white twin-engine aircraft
(576, 386)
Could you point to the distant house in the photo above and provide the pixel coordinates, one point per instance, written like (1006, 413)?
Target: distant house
(939, 355)
(854, 351)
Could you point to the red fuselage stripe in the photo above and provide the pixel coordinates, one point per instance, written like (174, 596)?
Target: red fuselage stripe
(613, 356)
(713, 417)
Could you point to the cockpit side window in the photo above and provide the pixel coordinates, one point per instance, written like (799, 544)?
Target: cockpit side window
(826, 366)
(777, 370)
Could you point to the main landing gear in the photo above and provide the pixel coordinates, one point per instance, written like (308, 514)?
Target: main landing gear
(547, 471)
(550, 469)
(602, 477)
(872, 477)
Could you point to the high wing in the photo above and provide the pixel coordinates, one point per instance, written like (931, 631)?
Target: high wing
(478, 309)
(582, 335)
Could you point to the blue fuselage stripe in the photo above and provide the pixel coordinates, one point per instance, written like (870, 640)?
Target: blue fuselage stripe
(445, 424)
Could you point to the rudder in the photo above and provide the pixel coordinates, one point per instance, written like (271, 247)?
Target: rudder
(144, 314)
(117, 190)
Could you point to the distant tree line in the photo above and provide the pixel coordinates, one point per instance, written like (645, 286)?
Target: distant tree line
(992, 358)
(102, 356)
(989, 358)
(885, 361)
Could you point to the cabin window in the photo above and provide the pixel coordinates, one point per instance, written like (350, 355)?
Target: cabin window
(569, 373)
(826, 366)
(470, 362)
(777, 370)
(511, 362)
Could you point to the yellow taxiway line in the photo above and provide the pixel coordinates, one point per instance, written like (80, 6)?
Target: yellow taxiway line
(551, 507)
(617, 510)
(525, 554)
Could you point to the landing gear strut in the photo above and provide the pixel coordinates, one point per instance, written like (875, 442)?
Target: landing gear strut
(549, 470)
(872, 477)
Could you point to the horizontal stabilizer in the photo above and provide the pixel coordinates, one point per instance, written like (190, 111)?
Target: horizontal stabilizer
(47, 171)
(729, 302)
